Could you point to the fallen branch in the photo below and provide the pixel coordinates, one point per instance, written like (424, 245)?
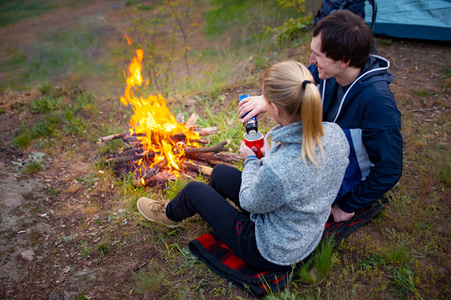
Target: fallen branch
(216, 158)
(196, 167)
(215, 148)
(119, 136)
(154, 170)
(182, 137)
(130, 157)
(126, 135)
(207, 130)
(191, 121)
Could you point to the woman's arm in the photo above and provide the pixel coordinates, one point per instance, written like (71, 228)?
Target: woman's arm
(254, 106)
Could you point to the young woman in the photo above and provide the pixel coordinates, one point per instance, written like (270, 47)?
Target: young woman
(285, 197)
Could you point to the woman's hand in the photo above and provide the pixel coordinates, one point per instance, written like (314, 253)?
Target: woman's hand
(254, 106)
(245, 151)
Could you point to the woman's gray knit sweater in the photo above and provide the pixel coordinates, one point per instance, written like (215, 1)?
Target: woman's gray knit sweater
(290, 199)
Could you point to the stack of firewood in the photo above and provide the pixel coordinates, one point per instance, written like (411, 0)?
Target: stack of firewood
(134, 158)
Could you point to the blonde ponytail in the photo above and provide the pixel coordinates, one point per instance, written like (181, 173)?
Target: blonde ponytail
(289, 85)
(312, 127)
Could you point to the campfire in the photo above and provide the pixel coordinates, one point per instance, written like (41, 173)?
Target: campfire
(158, 147)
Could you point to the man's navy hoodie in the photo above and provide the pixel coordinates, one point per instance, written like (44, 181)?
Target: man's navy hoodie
(366, 111)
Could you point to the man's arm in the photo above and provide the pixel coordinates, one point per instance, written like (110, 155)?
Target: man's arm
(385, 152)
(382, 139)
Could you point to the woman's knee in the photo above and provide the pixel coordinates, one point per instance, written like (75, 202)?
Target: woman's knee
(194, 185)
(220, 172)
(195, 189)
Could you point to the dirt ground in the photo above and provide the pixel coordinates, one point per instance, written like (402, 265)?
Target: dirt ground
(39, 256)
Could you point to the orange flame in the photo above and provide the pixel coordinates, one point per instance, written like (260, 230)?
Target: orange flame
(152, 117)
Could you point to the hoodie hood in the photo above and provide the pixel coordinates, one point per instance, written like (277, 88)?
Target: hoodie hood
(374, 70)
(291, 133)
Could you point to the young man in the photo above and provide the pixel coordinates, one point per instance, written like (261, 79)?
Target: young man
(355, 92)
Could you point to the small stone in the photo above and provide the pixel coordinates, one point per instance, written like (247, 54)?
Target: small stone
(28, 255)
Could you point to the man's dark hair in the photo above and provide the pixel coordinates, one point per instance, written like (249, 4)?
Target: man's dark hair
(345, 36)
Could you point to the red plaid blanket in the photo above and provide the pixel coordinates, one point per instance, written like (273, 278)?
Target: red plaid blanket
(211, 250)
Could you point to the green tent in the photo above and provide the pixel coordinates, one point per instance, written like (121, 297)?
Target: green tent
(414, 19)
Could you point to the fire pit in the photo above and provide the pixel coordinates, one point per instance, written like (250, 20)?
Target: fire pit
(158, 148)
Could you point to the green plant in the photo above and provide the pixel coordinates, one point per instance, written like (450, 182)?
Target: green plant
(371, 262)
(45, 88)
(111, 146)
(54, 192)
(184, 24)
(85, 250)
(286, 294)
(23, 139)
(316, 269)
(74, 125)
(33, 167)
(46, 104)
(34, 163)
(149, 281)
(292, 27)
(444, 174)
(174, 186)
(89, 180)
(84, 100)
(405, 280)
(104, 248)
(47, 127)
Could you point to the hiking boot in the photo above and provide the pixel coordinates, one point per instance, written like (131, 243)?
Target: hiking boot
(154, 211)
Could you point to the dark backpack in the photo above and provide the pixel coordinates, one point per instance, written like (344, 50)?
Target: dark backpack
(356, 6)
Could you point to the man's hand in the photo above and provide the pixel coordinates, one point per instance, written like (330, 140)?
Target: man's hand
(340, 215)
(255, 106)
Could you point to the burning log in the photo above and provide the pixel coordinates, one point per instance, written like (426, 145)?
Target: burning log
(160, 179)
(191, 121)
(155, 134)
(130, 157)
(215, 148)
(207, 130)
(152, 172)
(182, 137)
(130, 138)
(197, 168)
(124, 135)
(216, 158)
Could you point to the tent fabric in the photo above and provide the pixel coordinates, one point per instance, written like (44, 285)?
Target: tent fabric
(415, 19)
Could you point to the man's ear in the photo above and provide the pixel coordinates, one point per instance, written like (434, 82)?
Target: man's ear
(344, 64)
(275, 109)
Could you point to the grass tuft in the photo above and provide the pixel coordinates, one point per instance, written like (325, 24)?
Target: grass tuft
(149, 281)
(316, 269)
(46, 104)
(22, 140)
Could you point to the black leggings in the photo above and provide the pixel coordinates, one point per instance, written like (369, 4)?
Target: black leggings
(233, 226)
